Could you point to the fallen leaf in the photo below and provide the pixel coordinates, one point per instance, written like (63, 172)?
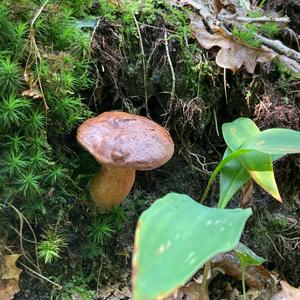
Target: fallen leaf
(287, 293)
(246, 194)
(11, 271)
(9, 279)
(8, 288)
(257, 277)
(218, 6)
(232, 54)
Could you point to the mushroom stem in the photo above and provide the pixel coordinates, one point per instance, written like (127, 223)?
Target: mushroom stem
(111, 185)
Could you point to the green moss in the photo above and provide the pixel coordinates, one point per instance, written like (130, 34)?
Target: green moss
(247, 36)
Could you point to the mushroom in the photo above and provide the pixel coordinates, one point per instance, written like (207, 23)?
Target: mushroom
(122, 143)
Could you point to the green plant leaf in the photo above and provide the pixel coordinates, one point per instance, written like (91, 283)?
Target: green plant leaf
(247, 257)
(175, 237)
(232, 177)
(260, 168)
(275, 141)
(258, 165)
(238, 132)
(220, 166)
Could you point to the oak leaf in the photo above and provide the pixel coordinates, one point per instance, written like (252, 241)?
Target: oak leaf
(232, 54)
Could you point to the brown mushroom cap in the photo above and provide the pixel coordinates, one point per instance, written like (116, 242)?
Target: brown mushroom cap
(124, 140)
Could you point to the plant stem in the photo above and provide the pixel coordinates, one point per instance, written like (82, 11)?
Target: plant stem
(243, 283)
(219, 168)
(204, 283)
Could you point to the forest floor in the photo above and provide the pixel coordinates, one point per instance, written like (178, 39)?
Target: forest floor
(155, 68)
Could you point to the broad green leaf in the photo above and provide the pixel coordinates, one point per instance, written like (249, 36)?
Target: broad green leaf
(258, 165)
(219, 167)
(275, 141)
(175, 237)
(247, 257)
(232, 178)
(238, 132)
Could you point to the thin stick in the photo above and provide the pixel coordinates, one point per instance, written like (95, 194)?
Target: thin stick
(41, 276)
(171, 68)
(216, 122)
(22, 218)
(38, 13)
(263, 19)
(158, 28)
(143, 62)
(34, 48)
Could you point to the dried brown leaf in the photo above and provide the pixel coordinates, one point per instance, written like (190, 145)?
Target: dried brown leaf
(287, 293)
(8, 288)
(246, 194)
(218, 6)
(232, 54)
(9, 281)
(11, 271)
(257, 277)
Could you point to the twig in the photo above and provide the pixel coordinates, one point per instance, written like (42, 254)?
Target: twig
(171, 68)
(143, 62)
(41, 276)
(38, 13)
(22, 218)
(279, 47)
(158, 28)
(216, 122)
(93, 33)
(263, 19)
(34, 48)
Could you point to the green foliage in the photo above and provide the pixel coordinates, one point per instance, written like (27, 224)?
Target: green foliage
(266, 146)
(51, 245)
(37, 164)
(10, 76)
(187, 232)
(78, 285)
(270, 29)
(99, 231)
(247, 36)
(185, 224)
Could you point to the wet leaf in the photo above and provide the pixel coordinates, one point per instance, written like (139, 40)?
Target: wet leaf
(175, 237)
(232, 54)
(287, 293)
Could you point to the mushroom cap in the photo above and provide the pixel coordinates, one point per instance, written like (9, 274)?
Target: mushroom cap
(125, 140)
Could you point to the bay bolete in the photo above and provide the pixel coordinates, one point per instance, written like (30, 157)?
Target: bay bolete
(122, 143)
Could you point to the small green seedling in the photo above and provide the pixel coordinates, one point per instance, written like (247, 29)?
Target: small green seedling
(177, 235)
(247, 258)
